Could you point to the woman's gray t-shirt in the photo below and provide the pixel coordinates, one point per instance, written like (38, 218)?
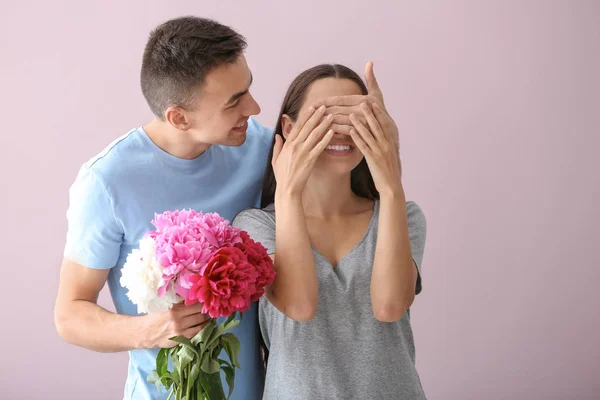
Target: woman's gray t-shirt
(343, 352)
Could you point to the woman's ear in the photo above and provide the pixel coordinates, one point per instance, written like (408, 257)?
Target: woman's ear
(286, 125)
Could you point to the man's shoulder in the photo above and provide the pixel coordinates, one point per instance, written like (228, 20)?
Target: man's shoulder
(257, 131)
(117, 154)
(257, 145)
(115, 159)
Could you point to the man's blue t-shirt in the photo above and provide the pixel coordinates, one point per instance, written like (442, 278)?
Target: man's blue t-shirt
(113, 201)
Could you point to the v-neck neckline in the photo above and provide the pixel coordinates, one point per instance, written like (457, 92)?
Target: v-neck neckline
(356, 246)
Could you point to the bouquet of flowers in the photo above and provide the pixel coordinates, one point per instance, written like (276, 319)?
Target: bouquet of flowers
(194, 257)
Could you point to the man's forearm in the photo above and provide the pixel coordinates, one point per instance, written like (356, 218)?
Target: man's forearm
(86, 324)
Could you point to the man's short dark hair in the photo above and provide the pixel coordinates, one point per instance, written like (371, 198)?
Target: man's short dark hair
(179, 54)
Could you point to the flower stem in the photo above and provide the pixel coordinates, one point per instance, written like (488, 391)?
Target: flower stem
(189, 371)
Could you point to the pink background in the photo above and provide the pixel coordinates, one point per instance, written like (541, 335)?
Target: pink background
(498, 104)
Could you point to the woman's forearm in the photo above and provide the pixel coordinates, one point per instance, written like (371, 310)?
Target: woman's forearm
(394, 273)
(295, 289)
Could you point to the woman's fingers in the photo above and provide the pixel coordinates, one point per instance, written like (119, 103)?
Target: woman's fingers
(343, 119)
(362, 146)
(384, 121)
(364, 133)
(317, 134)
(310, 124)
(342, 129)
(302, 119)
(322, 145)
(372, 122)
(347, 101)
(390, 129)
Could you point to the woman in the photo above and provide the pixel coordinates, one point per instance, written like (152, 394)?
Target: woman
(335, 321)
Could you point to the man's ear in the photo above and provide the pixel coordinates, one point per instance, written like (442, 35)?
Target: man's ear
(286, 125)
(177, 117)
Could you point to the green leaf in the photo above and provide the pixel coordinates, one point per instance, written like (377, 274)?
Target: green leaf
(186, 342)
(155, 380)
(232, 321)
(162, 361)
(163, 381)
(153, 377)
(232, 347)
(230, 378)
(232, 324)
(186, 356)
(209, 364)
(214, 350)
(231, 317)
(219, 330)
(216, 333)
(200, 392)
(211, 383)
(176, 374)
(194, 374)
(204, 334)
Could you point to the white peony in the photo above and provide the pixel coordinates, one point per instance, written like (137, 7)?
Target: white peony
(142, 275)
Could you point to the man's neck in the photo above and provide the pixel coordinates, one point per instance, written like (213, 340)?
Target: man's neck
(173, 141)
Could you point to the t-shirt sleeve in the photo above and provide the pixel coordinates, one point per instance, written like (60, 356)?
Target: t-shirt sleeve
(260, 226)
(417, 231)
(94, 236)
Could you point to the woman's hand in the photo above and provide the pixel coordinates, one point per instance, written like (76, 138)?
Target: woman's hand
(378, 146)
(342, 106)
(293, 160)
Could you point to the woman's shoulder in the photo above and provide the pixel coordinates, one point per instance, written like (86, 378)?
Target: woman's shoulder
(413, 207)
(253, 216)
(415, 215)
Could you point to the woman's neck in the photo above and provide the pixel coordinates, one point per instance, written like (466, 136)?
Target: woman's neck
(328, 196)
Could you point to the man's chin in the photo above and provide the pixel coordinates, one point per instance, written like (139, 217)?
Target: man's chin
(236, 140)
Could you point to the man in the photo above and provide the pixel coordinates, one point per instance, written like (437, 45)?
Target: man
(201, 151)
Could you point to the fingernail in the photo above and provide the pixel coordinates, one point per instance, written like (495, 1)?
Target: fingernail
(322, 108)
(330, 117)
(364, 106)
(310, 109)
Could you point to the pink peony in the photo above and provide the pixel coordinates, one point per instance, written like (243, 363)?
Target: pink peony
(179, 249)
(218, 231)
(226, 284)
(185, 241)
(257, 255)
